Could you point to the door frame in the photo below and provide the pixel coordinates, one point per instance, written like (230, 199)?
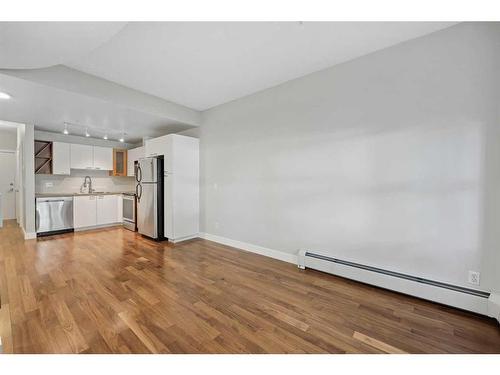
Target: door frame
(14, 152)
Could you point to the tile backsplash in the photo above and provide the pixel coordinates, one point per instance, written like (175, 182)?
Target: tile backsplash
(101, 181)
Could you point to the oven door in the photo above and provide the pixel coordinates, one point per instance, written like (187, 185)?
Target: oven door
(129, 212)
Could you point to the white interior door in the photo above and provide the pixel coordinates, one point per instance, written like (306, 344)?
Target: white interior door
(7, 184)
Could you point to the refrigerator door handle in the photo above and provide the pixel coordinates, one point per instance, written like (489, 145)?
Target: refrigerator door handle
(138, 176)
(138, 191)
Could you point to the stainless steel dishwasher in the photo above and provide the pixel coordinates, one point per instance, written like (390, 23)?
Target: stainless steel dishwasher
(54, 215)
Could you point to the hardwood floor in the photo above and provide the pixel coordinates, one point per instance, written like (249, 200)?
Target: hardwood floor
(111, 291)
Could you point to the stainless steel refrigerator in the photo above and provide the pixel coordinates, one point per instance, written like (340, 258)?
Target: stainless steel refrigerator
(149, 191)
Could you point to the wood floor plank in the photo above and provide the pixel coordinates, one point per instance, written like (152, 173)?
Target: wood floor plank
(68, 324)
(144, 334)
(377, 343)
(114, 291)
(6, 329)
(27, 294)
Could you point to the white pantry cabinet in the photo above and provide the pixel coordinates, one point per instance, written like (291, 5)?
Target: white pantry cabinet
(181, 183)
(133, 155)
(61, 160)
(156, 146)
(181, 187)
(103, 158)
(84, 211)
(82, 156)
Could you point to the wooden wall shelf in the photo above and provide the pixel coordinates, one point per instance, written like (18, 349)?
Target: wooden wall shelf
(43, 157)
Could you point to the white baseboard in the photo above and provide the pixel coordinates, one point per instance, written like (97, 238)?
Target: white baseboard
(494, 306)
(28, 235)
(465, 301)
(98, 227)
(276, 254)
(186, 238)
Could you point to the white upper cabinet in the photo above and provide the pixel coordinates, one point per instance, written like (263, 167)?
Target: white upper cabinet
(103, 158)
(91, 157)
(156, 146)
(82, 156)
(61, 161)
(133, 155)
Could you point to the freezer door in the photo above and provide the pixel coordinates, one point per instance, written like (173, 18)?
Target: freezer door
(147, 221)
(147, 170)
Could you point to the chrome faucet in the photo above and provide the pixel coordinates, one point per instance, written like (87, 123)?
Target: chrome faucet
(89, 184)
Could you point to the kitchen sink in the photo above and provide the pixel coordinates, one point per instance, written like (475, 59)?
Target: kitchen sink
(93, 193)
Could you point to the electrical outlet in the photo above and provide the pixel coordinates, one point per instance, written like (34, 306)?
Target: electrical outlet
(49, 184)
(216, 225)
(474, 277)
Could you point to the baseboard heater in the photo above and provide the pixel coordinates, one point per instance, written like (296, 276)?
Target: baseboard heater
(448, 294)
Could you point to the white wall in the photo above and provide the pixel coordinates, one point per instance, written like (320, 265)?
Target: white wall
(8, 139)
(29, 180)
(25, 183)
(193, 132)
(101, 181)
(390, 160)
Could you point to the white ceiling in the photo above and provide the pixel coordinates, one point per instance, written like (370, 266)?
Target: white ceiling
(27, 45)
(204, 64)
(48, 108)
(137, 76)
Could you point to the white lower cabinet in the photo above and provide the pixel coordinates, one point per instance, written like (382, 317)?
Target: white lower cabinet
(119, 211)
(107, 209)
(84, 211)
(94, 210)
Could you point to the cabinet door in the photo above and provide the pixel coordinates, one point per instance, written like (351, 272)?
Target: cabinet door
(119, 211)
(103, 158)
(119, 162)
(156, 146)
(182, 187)
(107, 209)
(81, 157)
(84, 211)
(61, 158)
(133, 155)
(168, 201)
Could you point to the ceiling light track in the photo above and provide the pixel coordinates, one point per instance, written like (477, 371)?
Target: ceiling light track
(96, 132)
